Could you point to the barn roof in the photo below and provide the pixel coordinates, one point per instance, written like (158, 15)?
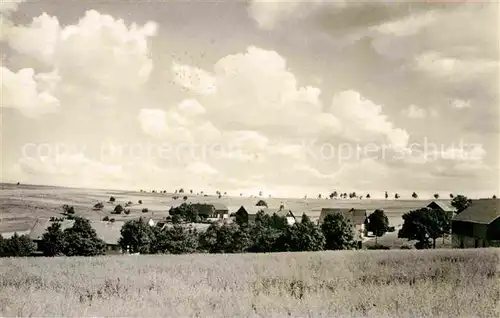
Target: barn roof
(482, 211)
(109, 232)
(217, 205)
(284, 212)
(356, 216)
(252, 209)
(444, 206)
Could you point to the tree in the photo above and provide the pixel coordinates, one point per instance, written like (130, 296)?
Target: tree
(221, 239)
(338, 232)
(461, 202)
(261, 203)
(191, 191)
(396, 196)
(424, 225)
(334, 194)
(126, 211)
(451, 196)
(118, 209)
(305, 236)
(414, 195)
(145, 210)
(53, 241)
(81, 239)
(136, 236)
(378, 223)
(260, 193)
(186, 212)
(319, 196)
(18, 246)
(436, 196)
(140, 201)
(175, 240)
(112, 199)
(368, 196)
(386, 195)
(185, 198)
(181, 190)
(98, 206)
(68, 209)
(494, 196)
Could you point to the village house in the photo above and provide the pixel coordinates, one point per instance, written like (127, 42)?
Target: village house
(478, 225)
(248, 212)
(109, 232)
(443, 207)
(213, 210)
(283, 212)
(357, 217)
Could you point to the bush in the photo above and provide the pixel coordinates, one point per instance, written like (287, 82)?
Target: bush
(98, 206)
(17, 246)
(118, 209)
(68, 209)
(127, 211)
(106, 218)
(378, 247)
(111, 220)
(406, 247)
(145, 210)
(112, 199)
(140, 201)
(391, 229)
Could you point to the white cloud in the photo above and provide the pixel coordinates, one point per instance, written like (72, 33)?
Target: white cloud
(363, 120)
(191, 107)
(413, 111)
(6, 9)
(460, 104)
(193, 78)
(153, 121)
(408, 25)
(22, 91)
(201, 168)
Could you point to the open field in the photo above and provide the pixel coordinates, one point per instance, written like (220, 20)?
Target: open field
(449, 283)
(21, 205)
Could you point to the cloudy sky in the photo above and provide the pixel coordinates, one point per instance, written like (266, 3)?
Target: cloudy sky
(290, 98)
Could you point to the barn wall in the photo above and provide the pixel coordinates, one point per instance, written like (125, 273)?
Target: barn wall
(469, 242)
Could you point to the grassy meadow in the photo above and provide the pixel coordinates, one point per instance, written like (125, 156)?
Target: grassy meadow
(402, 283)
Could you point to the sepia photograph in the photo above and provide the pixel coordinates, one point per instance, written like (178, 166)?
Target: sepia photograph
(249, 158)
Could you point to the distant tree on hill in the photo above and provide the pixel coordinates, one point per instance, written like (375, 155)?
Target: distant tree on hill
(112, 199)
(181, 190)
(436, 196)
(494, 196)
(140, 201)
(81, 239)
(461, 202)
(126, 211)
(53, 241)
(106, 218)
(184, 198)
(136, 236)
(414, 195)
(386, 195)
(378, 223)
(261, 203)
(145, 210)
(338, 232)
(451, 196)
(98, 206)
(260, 193)
(118, 209)
(191, 191)
(17, 246)
(334, 194)
(368, 196)
(396, 196)
(319, 196)
(68, 209)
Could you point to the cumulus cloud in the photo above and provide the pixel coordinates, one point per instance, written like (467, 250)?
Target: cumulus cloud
(458, 103)
(413, 111)
(22, 91)
(363, 120)
(194, 79)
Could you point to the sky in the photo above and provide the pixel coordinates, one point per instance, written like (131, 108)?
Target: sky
(288, 98)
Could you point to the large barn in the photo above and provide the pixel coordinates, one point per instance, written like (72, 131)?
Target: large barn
(478, 225)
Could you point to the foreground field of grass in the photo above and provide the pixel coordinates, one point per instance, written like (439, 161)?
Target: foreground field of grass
(450, 283)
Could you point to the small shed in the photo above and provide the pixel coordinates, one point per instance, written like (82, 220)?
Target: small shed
(478, 225)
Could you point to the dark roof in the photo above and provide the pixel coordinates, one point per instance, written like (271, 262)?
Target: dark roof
(252, 209)
(217, 205)
(356, 216)
(444, 206)
(482, 211)
(284, 212)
